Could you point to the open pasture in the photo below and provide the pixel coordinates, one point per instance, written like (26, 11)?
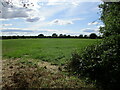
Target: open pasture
(54, 50)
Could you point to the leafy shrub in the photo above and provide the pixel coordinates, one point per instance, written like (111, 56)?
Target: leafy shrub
(99, 63)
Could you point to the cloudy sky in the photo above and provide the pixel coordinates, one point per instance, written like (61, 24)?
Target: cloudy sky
(71, 17)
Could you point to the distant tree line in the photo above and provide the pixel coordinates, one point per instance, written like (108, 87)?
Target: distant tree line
(54, 35)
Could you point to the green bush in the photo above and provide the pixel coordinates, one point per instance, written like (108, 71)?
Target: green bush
(99, 63)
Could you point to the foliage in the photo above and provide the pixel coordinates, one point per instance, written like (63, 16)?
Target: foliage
(41, 35)
(81, 36)
(54, 35)
(99, 63)
(93, 36)
(85, 36)
(110, 16)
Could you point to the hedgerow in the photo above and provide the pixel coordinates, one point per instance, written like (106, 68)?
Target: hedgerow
(99, 63)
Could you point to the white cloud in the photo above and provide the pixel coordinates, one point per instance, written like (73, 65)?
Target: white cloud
(4, 25)
(61, 22)
(90, 30)
(13, 13)
(50, 11)
(72, 2)
(29, 31)
(36, 11)
(100, 26)
(55, 2)
(93, 23)
(1, 19)
(59, 2)
(56, 22)
(34, 19)
(64, 22)
(16, 10)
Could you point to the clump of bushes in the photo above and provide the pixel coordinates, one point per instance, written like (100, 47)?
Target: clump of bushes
(99, 63)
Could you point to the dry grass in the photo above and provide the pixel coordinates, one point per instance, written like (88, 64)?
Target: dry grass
(17, 74)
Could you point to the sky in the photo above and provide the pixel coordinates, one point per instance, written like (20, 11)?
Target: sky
(70, 17)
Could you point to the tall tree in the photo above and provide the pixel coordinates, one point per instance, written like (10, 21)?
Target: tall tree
(93, 36)
(41, 35)
(54, 35)
(110, 15)
(81, 35)
(61, 35)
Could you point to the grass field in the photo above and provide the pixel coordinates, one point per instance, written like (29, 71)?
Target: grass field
(24, 63)
(57, 51)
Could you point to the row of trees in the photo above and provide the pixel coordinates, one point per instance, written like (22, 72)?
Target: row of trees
(92, 35)
(54, 35)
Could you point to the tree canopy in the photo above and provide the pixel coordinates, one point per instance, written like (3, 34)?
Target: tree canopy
(93, 36)
(110, 15)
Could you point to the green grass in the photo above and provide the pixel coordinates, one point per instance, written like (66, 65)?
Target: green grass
(56, 51)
